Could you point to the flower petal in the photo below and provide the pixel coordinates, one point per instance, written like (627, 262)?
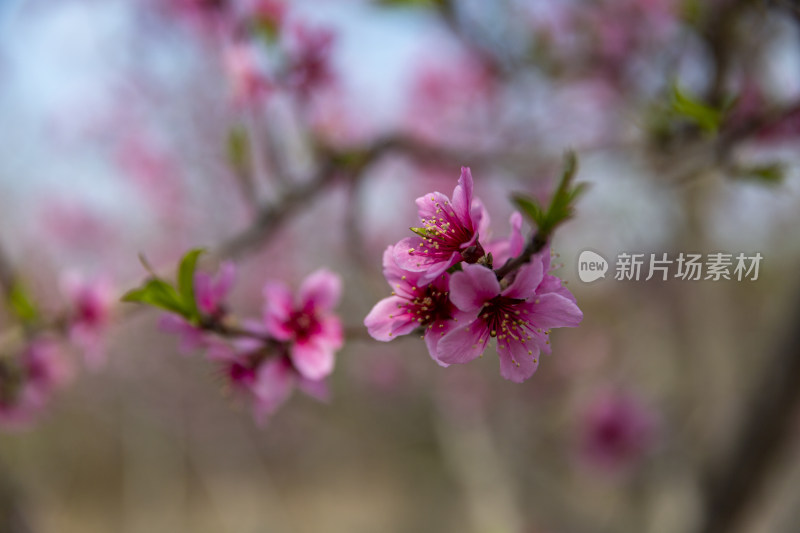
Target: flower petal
(552, 310)
(277, 310)
(210, 292)
(504, 249)
(462, 198)
(406, 258)
(273, 385)
(388, 320)
(473, 287)
(518, 360)
(528, 277)
(430, 205)
(320, 290)
(481, 217)
(434, 333)
(515, 240)
(203, 294)
(555, 285)
(225, 278)
(312, 360)
(426, 268)
(220, 352)
(546, 256)
(463, 344)
(191, 338)
(332, 333)
(399, 280)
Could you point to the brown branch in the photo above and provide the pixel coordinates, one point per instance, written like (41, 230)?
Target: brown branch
(720, 36)
(334, 167)
(752, 126)
(7, 276)
(13, 518)
(354, 235)
(271, 216)
(218, 326)
(534, 246)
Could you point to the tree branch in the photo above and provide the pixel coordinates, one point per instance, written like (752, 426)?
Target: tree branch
(345, 166)
(535, 245)
(7, 276)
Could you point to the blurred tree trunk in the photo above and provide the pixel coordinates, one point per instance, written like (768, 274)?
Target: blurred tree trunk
(758, 443)
(12, 518)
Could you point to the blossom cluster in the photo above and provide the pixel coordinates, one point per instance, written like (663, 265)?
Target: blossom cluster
(35, 364)
(267, 48)
(28, 381)
(444, 284)
(292, 345)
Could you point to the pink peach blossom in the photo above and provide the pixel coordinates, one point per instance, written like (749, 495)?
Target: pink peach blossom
(210, 291)
(504, 249)
(28, 382)
(190, 337)
(309, 51)
(413, 305)
(274, 382)
(520, 316)
(451, 229)
(618, 429)
(268, 379)
(307, 324)
(90, 316)
(248, 82)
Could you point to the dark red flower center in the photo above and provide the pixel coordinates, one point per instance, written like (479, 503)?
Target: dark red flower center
(431, 305)
(444, 233)
(304, 324)
(88, 311)
(504, 318)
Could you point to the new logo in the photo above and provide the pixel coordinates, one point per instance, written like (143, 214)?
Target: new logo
(591, 266)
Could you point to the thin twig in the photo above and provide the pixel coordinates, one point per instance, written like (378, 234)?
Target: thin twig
(270, 217)
(7, 275)
(534, 246)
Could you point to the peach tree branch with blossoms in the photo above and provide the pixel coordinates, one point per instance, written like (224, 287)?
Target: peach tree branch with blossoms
(444, 285)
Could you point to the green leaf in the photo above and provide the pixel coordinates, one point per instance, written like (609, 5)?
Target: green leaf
(570, 169)
(767, 174)
(561, 204)
(239, 149)
(691, 12)
(21, 303)
(530, 207)
(266, 29)
(454, 268)
(689, 108)
(186, 280)
(350, 159)
(159, 293)
(577, 192)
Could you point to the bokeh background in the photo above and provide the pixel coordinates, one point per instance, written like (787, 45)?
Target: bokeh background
(154, 126)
